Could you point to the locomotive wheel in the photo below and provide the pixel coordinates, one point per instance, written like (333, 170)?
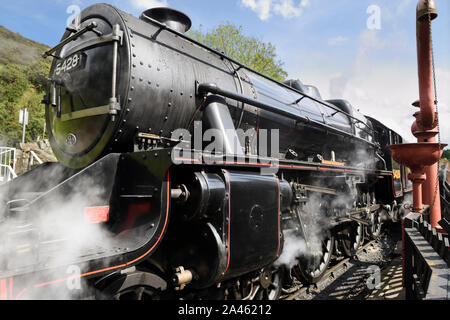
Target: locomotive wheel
(241, 290)
(312, 267)
(374, 230)
(351, 238)
(270, 284)
(139, 285)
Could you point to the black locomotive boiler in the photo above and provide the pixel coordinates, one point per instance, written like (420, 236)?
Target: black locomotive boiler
(135, 210)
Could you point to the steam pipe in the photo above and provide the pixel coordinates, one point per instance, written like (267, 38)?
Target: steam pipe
(216, 115)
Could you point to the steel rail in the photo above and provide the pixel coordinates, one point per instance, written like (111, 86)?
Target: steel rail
(329, 273)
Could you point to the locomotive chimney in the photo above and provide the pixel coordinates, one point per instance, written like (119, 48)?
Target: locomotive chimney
(172, 18)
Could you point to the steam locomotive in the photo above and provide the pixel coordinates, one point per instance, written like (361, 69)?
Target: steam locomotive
(140, 207)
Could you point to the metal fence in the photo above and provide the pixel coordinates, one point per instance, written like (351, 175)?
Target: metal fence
(426, 261)
(7, 164)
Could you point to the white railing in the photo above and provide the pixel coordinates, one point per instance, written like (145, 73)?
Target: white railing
(33, 156)
(7, 164)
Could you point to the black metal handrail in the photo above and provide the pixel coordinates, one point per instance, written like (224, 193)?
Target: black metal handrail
(205, 88)
(73, 37)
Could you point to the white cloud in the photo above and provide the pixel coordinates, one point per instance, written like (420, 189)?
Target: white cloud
(369, 40)
(386, 94)
(285, 8)
(304, 3)
(404, 6)
(337, 41)
(443, 91)
(380, 88)
(261, 7)
(147, 4)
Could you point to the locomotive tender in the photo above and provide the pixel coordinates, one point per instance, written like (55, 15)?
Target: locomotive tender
(168, 227)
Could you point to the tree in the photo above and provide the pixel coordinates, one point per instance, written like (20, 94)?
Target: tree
(446, 154)
(23, 81)
(21, 87)
(250, 51)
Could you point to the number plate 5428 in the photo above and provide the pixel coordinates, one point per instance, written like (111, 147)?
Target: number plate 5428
(70, 63)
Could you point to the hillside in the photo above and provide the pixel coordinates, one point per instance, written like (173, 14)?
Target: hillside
(23, 74)
(18, 50)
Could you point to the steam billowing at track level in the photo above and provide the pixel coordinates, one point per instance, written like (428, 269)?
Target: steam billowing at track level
(138, 224)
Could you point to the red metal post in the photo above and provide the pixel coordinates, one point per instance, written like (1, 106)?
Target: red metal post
(422, 157)
(426, 120)
(417, 196)
(425, 69)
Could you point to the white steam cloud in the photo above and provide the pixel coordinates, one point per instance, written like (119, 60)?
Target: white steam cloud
(53, 234)
(315, 227)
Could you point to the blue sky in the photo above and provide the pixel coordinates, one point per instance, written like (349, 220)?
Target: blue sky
(326, 43)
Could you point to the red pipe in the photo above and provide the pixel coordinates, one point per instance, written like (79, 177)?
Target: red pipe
(417, 196)
(417, 177)
(424, 57)
(427, 119)
(431, 193)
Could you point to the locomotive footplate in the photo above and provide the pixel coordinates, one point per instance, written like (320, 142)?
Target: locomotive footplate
(188, 157)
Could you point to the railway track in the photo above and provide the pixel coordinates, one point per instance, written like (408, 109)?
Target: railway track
(330, 276)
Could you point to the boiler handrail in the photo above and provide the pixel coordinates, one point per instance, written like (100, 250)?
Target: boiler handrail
(205, 88)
